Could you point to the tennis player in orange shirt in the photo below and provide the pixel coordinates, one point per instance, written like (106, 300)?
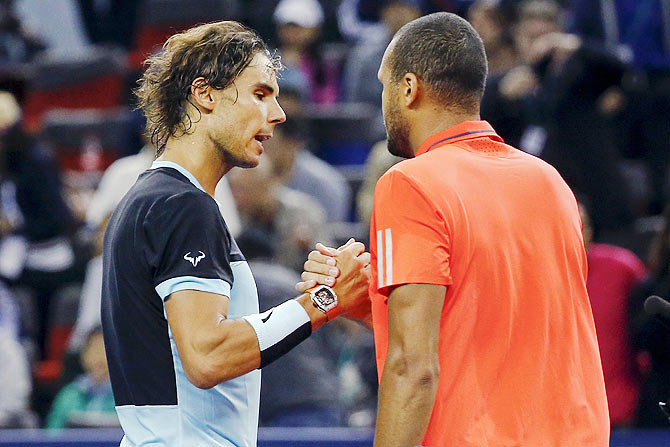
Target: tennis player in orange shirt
(483, 329)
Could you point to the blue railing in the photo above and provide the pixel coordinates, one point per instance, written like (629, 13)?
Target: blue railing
(276, 437)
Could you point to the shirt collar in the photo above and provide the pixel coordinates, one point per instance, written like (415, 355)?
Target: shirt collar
(460, 132)
(182, 170)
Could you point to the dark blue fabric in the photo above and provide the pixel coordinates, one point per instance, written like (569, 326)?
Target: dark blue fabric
(162, 218)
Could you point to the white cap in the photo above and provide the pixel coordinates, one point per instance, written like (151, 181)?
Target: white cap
(306, 13)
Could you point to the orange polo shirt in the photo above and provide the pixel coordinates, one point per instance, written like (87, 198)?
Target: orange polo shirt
(519, 360)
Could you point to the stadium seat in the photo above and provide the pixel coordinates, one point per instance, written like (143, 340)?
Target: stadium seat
(64, 314)
(87, 141)
(342, 133)
(159, 19)
(93, 80)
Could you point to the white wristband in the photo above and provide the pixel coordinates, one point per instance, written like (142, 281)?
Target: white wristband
(280, 329)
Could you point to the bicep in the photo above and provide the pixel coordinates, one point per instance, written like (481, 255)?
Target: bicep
(212, 348)
(414, 312)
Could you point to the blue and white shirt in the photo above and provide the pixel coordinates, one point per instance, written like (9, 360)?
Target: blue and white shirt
(167, 235)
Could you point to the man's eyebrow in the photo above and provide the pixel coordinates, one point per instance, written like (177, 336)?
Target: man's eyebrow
(264, 86)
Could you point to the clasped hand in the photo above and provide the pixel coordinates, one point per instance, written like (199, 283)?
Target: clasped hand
(345, 269)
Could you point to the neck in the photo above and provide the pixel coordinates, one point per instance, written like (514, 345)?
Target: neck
(198, 156)
(429, 121)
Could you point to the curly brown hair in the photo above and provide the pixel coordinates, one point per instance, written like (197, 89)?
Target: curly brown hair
(217, 52)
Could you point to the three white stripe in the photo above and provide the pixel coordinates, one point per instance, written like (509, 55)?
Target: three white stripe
(384, 253)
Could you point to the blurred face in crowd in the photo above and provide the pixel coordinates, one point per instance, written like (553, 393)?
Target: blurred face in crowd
(94, 360)
(291, 103)
(539, 18)
(297, 36)
(396, 14)
(282, 149)
(255, 191)
(485, 19)
(397, 125)
(245, 114)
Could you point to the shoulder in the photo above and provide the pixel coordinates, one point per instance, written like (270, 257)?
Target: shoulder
(168, 193)
(406, 186)
(535, 162)
(410, 173)
(162, 201)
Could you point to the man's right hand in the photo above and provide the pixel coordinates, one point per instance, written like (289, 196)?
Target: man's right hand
(347, 271)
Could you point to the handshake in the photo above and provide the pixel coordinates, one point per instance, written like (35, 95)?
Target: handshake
(347, 271)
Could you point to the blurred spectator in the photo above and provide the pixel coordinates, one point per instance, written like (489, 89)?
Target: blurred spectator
(651, 334)
(57, 23)
(298, 168)
(356, 21)
(17, 45)
(88, 314)
(639, 30)
(613, 271)
(35, 221)
(378, 162)
(15, 377)
(508, 92)
(298, 30)
(88, 401)
(493, 25)
(357, 372)
(360, 81)
(122, 174)
(356, 29)
(290, 221)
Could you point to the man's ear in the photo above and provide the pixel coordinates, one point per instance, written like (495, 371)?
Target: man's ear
(410, 89)
(201, 92)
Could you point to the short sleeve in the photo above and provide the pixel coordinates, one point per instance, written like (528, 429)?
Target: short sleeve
(409, 239)
(188, 245)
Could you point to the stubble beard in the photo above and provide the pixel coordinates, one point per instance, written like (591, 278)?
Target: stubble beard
(397, 134)
(230, 159)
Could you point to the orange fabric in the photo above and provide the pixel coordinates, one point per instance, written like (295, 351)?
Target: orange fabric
(519, 360)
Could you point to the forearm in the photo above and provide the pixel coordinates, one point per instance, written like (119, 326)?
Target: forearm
(230, 350)
(216, 349)
(405, 404)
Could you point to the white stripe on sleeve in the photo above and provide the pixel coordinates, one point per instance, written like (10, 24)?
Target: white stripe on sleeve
(380, 260)
(389, 257)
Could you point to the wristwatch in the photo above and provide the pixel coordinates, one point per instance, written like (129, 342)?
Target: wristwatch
(325, 299)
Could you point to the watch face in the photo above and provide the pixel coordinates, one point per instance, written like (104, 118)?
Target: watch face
(324, 298)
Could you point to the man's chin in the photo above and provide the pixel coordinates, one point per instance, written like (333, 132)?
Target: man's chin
(246, 164)
(399, 150)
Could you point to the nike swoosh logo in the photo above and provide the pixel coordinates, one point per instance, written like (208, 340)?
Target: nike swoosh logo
(264, 320)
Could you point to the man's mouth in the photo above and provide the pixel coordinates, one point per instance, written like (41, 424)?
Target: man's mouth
(260, 138)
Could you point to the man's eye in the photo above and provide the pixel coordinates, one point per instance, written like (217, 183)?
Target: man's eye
(260, 96)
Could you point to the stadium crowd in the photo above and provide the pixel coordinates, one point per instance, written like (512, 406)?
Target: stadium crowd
(582, 84)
